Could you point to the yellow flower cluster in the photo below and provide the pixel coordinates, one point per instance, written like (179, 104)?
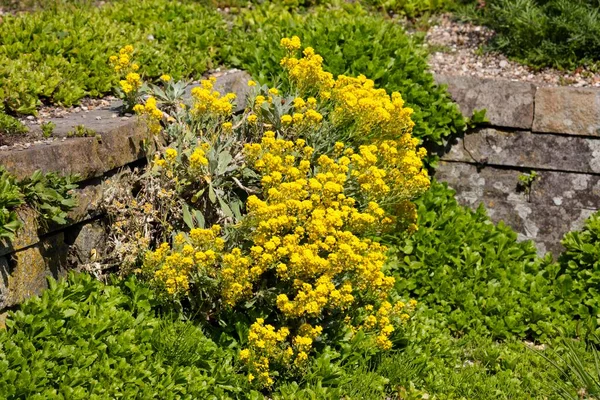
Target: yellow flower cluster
(150, 111)
(382, 321)
(172, 268)
(374, 112)
(198, 157)
(307, 72)
(391, 172)
(308, 235)
(124, 66)
(389, 168)
(206, 100)
(266, 346)
(122, 62)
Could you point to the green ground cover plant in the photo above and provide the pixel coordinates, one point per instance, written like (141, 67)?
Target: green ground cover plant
(475, 274)
(85, 340)
(551, 33)
(579, 273)
(10, 125)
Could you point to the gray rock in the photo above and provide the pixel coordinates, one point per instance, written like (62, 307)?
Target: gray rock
(567, 110)
(527, 150)
(29, 268)
(559, 202)
(84, 239)
(508, 104)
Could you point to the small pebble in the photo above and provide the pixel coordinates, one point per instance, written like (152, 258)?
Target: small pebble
(98, 118)
(30, 117)
(124, 118)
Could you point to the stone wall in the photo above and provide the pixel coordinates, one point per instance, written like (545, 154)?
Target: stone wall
(554, 131)
(38, 252)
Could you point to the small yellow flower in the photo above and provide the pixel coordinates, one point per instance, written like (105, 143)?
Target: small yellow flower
(286, 119)
(252, 118)
(165, 78)
(170, 154)
(251, 83)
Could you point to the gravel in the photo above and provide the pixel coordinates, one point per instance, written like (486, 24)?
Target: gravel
(456, 50)
(47, 112)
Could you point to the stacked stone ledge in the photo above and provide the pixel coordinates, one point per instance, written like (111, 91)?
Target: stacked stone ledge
(554, 131)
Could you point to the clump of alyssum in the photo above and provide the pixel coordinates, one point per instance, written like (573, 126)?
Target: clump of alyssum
(310, 241)
(304, 256)
(126, 69)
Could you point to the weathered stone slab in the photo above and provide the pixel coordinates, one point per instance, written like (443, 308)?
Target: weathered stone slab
(565, 189)
(472, 184)
(527, 150)
(89, 157)
(544, 225)
(27, 270)
(567, 110)
(508, 104)
(83, 239)
(558, 202)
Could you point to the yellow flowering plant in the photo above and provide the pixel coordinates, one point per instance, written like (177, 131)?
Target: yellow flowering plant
(130, 81)
(281, 211)
(195, 180)
(306, 259)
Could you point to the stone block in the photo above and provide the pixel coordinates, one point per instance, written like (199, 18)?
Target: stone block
(85, 238)
(26, 272)
(89, 157)
(559, 202)
(508, 104)
(527, 150)
(567, 110)
(235, 82)
(565, 189)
